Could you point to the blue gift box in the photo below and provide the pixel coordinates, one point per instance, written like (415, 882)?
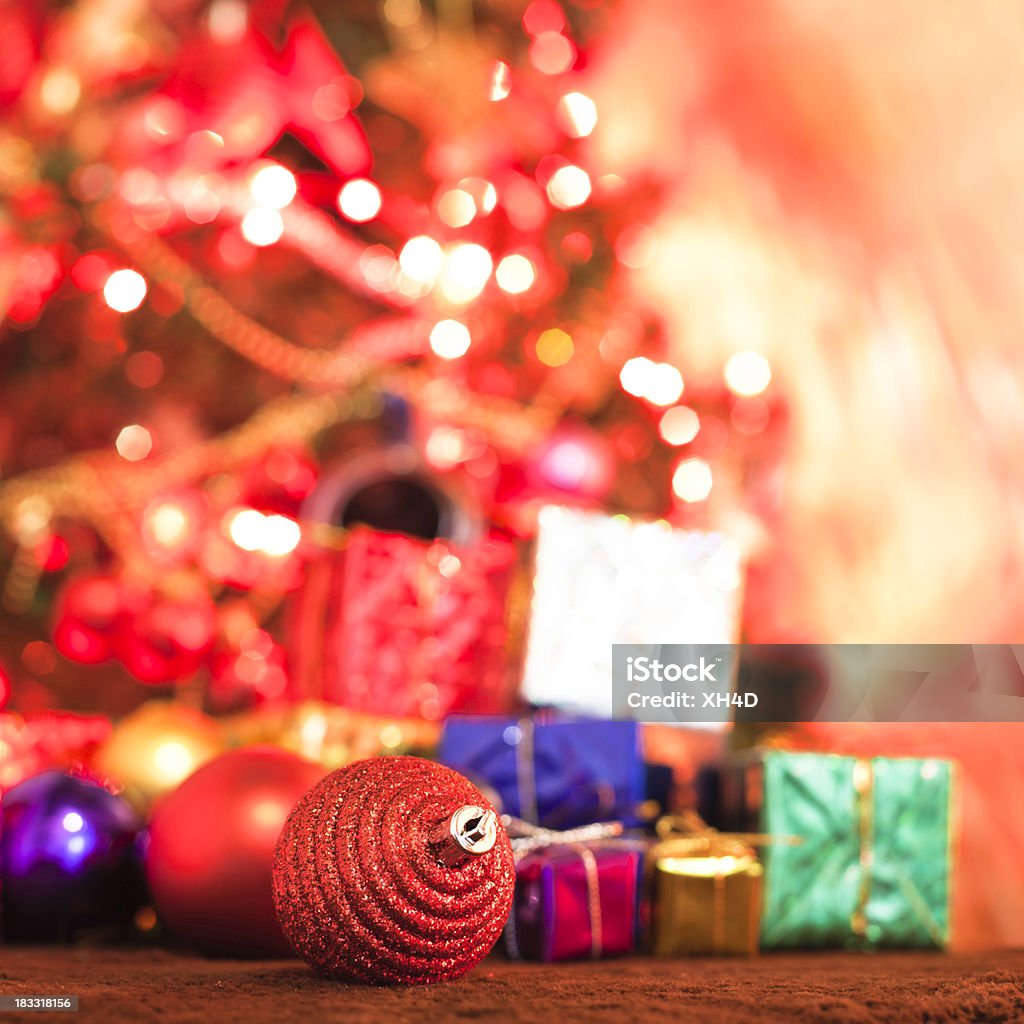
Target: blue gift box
(555, 774)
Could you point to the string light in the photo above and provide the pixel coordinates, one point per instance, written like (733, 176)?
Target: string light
(515, 274)
(134, 443)
(456, 208)
(421, 259)
(692, 480)
(666, 385)
(747, 373)
(167, 523)
(578, 114)
(359, 200)
(262, 226)
(635, 376)
(569, 187)
(551, 53)
(273, 535)
(679, 426)
(658, 383)
(501, 82)
(467, 268)
(554, 347)
(273, 186)
(124, 290)
(450, 339)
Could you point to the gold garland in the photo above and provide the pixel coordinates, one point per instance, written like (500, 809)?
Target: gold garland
(100, 487)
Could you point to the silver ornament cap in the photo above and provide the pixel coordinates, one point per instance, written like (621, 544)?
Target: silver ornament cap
(469, 832)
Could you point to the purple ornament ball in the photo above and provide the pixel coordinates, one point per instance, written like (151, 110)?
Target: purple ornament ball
(69, 860)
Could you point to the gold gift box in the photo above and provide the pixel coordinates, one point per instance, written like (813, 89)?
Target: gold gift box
(706, 897)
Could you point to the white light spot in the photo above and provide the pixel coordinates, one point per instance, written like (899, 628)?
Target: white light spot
(134, 443)
(692, 480)
(262, 227)
(124, 290)
(359, 200)
(467, 267)
(515, 274)
(747, 373)
(679, 425)
(72, 822)
(569, 187)
(421, 259)
(450, 339)
(273, 186)
(578, 114)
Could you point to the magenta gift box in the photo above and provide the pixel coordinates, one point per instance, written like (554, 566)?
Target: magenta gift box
(576, 902)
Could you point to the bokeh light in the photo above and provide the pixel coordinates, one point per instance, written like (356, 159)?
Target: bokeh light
(262, 226)
(501, 81)
(679, 425)
(421, 259)
(456, 208)
(551, 53)
(359, 200)
(747, 373)
(273, 186)
(555, 347)
(515, 274)
(577, 113)
(692, 480)
(134, 443)
(467, 268)
(450, 339)
(124, 290)
(273, 535)
(168, 523)
(569, 187)
(658, 383)
(665, 385)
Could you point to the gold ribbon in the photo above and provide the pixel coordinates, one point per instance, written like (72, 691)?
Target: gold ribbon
(864, 785)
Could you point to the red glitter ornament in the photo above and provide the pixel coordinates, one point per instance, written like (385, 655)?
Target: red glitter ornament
(394, 870)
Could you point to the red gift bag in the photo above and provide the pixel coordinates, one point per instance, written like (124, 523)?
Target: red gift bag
(401, 627)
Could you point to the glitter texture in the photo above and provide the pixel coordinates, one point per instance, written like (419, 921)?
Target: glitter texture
(360, 892)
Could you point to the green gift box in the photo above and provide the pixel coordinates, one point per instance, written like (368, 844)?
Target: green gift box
(862, 855)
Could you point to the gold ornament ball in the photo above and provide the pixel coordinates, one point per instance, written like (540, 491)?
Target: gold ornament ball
(156, 747)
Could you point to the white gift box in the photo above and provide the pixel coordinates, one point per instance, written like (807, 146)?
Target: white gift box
(601, 580)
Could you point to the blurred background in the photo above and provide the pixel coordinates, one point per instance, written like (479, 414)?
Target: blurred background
(314, 314)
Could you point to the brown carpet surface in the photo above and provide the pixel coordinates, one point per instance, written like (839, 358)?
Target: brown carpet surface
(164, 986)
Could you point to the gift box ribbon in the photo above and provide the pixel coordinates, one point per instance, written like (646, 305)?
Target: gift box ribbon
(529, 838)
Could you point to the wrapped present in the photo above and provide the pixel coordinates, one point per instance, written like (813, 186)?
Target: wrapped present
(705, 890)
(577, 901)
(401, 627)
(874, 864)
(601, 580)
(556, 774)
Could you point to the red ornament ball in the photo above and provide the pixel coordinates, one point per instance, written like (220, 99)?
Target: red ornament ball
(211, 850)
(394, 870)
(88, 612)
